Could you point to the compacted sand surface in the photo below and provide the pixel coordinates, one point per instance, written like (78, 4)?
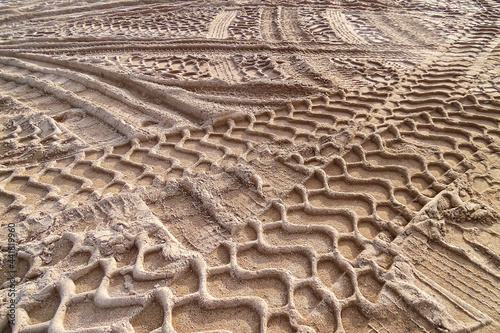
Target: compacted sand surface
(250, 166)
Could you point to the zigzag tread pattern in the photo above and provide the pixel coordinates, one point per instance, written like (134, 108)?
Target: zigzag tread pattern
(322, 166)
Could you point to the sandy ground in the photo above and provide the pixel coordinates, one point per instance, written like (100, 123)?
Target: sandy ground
(250, 166)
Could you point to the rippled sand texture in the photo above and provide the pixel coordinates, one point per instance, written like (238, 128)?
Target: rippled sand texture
(251, 166)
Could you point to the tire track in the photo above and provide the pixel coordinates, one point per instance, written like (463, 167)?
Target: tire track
(342, 27)
(218, 28)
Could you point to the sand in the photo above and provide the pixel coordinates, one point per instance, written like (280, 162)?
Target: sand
(250, 166)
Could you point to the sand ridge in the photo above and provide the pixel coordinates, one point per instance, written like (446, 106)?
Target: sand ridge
(242, 166)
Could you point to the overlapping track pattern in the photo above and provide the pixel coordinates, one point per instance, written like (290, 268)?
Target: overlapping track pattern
(327, 166)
